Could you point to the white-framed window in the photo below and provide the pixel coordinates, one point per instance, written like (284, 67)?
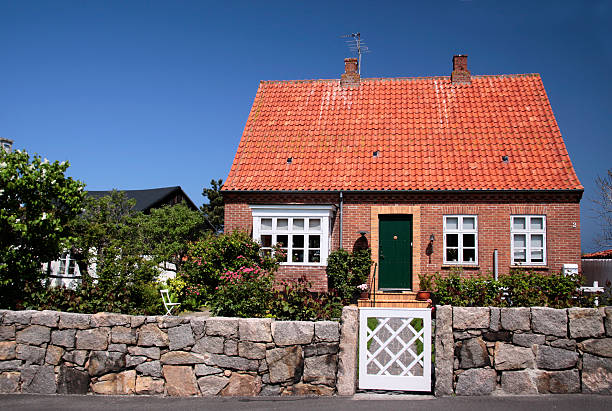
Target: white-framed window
(301, 231)
(67, 265)
(528, 239)
(460, 239)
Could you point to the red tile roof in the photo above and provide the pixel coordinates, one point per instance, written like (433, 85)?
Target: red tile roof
(430, 134)
(605, 254)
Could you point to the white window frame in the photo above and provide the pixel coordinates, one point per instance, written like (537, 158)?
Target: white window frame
(528, 232)
(322, 212)
(460, 231)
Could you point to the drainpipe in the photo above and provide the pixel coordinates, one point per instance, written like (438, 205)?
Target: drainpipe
(341, 207)
(495, 264)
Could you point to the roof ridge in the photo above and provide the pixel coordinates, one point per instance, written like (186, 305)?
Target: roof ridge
(323, 80)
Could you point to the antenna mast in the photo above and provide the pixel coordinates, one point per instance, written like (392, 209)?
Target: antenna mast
(356, 45)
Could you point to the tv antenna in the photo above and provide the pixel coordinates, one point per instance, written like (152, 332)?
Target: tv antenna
(356, 45)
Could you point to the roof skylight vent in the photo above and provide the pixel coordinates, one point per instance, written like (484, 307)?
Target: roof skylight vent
(505, 159)
(376, 154)
(290, 160)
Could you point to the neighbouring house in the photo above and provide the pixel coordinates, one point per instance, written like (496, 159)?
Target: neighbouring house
(65, 271)
(597, 267)
(433, 173)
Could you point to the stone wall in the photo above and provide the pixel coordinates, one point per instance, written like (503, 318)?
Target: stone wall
(487, 350)
(55, 352)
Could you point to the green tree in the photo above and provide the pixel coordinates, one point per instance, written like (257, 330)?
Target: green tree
(108, 237)
(37, 200)
(166, 232)
(214, 211)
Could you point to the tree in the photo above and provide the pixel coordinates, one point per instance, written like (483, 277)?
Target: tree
(37, 200)
(108, 237)
(166, 232)
(214, 211)
(603, 209)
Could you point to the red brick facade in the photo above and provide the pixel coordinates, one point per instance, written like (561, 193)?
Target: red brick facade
(561, 208)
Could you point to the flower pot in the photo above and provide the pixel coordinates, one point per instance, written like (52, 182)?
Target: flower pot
(364, 294)
(423, 295)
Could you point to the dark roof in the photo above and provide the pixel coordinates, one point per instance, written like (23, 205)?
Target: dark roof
(150, 198)
(605, 254)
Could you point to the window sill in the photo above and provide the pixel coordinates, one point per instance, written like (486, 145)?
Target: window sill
(470, 266)
(303, 265)
(531, 267)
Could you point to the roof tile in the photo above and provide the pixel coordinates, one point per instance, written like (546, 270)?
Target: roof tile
(430, 135)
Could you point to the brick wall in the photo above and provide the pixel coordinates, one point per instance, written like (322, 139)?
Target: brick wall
(562, 211)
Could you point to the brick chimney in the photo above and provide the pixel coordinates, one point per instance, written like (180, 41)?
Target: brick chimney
(460, 74)
(350, 77)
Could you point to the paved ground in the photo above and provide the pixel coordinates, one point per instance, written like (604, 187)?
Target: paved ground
(359, 402)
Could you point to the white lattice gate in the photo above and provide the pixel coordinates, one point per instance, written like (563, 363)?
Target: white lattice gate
(395, 349)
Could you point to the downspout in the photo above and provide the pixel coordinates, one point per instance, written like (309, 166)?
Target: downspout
(495, 260)
(341, 207)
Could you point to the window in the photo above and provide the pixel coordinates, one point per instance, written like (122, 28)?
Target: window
(66, 266)
(302, 232)
(528, 239)
(460, 239)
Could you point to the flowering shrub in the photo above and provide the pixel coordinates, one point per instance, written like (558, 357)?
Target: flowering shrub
(213, 257)
(244, 292)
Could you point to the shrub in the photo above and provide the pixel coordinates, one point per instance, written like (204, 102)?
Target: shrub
(244, 292)
(517, 289)
(346, 271)
(292, 300)
(216, 254)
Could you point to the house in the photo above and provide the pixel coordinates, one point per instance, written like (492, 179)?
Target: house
(65, 271)
(433, 173)
(597, 267)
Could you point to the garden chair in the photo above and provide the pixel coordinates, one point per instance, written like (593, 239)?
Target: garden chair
(168, 304)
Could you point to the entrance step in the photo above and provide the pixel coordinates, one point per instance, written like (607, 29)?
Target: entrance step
(406, 299)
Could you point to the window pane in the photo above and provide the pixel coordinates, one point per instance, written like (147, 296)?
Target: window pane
(537, 223)
(537, 256)
(469, 255)
(314, 224)
(518, 223)
(314, 241)
(298, 224)
(71, 265)
(282, 241)
(297, 256)
(314, 256)
(537, 241)
(452, 254)
(452, 223)
(469, 240)
(298, 241)
(519, 256)
(266, 240)
(452, 240)
(282, 224)
(266, 224)
(469, 223)
(520, 241)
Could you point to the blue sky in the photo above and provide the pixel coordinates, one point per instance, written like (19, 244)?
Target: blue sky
(143, 94)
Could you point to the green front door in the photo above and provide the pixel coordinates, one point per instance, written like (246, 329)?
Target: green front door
(395, 252)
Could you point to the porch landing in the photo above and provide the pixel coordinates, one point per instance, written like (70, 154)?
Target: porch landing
(405, 299)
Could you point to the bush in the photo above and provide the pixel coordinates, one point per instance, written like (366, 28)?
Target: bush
(245, 292)
(292, 300)
(517, 289)
(346, 271)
